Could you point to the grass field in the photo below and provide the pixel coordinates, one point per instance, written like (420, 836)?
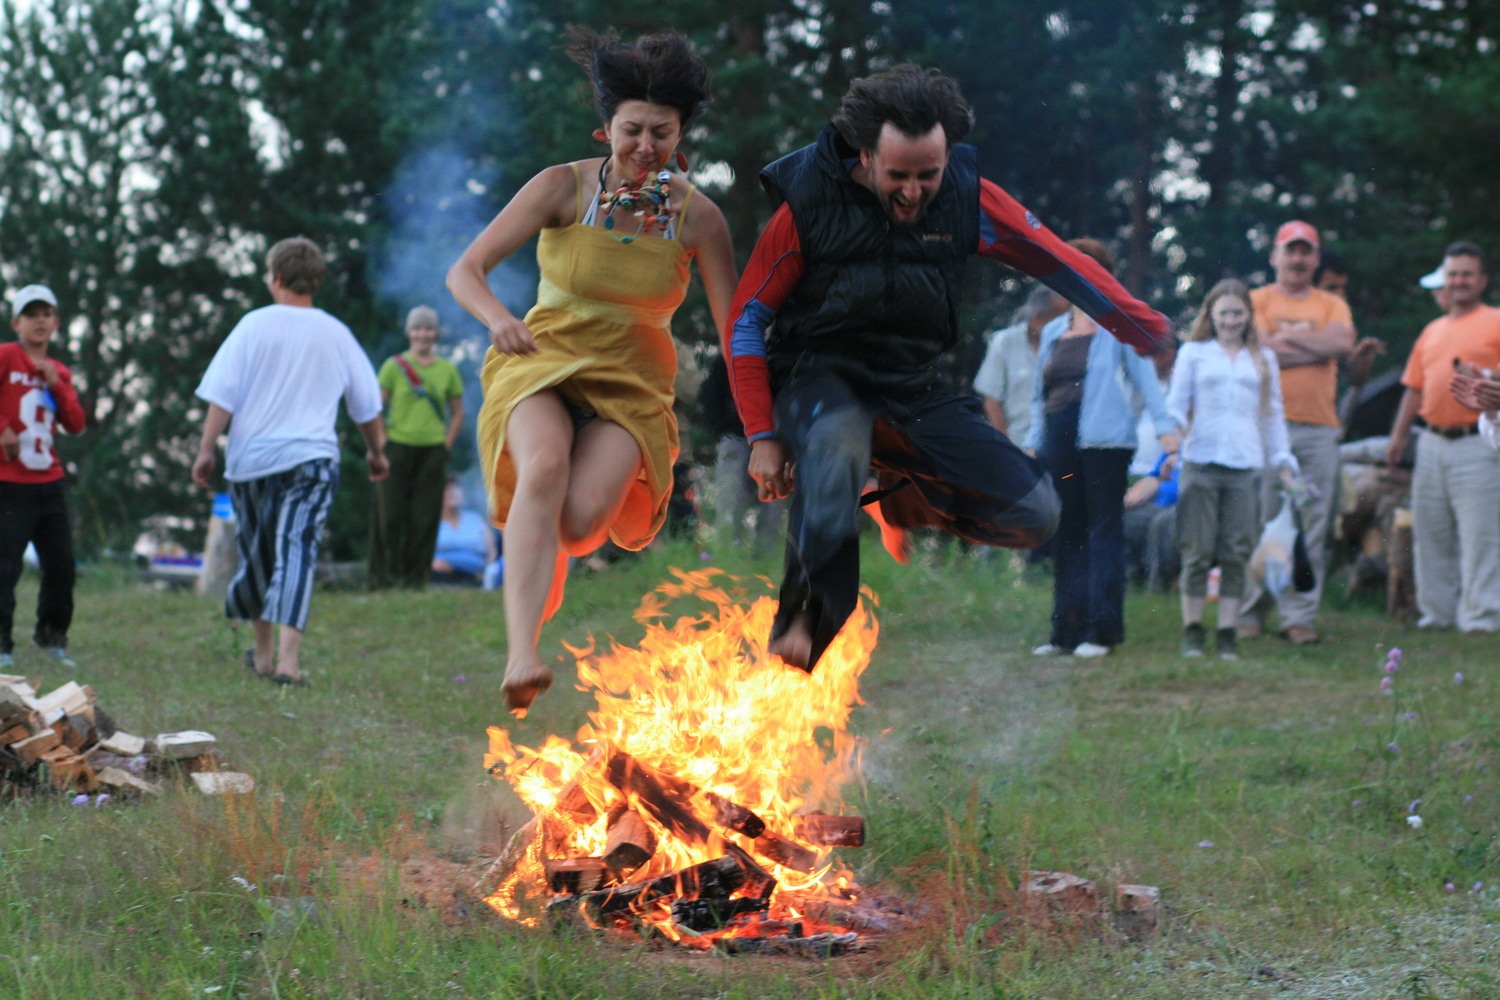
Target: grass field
(1271, 799)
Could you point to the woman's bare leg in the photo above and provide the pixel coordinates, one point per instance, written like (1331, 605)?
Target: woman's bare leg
(605, 461)
(539, 436)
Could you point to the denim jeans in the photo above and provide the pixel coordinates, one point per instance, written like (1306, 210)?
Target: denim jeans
(1088, 596)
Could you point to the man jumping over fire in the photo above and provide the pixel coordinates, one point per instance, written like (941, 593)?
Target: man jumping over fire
(860, 270)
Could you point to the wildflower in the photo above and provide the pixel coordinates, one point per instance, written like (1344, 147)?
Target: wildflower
(460, 678)
(1385, 684)
(1415, 822)
(1468, 800)
(1409, 716)
(80, 799)
(1393, 747)
(1458, 677)
(1391, 666)
(1357, 803)
(1478, 886)
(1449, 887)
(1394, 654)
(1413, 807)
(1205, 843)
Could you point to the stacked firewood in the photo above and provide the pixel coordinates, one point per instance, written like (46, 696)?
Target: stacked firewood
(64, 741)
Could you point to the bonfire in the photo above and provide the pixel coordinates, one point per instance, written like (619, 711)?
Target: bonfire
(701, 800)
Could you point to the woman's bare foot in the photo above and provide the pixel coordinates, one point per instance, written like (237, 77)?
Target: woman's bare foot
(523, 682)
(794, 646)
(559, 584)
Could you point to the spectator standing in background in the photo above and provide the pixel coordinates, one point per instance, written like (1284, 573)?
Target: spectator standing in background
(1226, 398)
(424, 397)
(1455, 529)
(1309, 331)
(275, 384)
(1085, 408)
(1006, 379)
(37, 399)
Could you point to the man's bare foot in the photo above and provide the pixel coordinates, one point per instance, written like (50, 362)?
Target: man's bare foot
(559, 585)
(896, 541)
(523, 682)
(794, 646)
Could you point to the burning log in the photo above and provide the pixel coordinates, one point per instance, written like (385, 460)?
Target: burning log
(716, 913)
(774, 847)
(630, 842)
(829, 831)
(575, 875)
(718, 878)
(816, 946)
(669, 798)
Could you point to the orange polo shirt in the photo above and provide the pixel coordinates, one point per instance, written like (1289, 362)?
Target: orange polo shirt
(1309, 392)
(1473, 337)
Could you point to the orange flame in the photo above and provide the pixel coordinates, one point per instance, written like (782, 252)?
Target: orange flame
(702, 701)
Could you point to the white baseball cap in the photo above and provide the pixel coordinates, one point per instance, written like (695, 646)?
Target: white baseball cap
(1432, 282)
(30, 294)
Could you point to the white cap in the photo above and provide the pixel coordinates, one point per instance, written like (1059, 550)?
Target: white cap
(1432, 282)
(30, 294)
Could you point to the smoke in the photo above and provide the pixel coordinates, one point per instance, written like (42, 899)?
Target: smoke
(437, 203)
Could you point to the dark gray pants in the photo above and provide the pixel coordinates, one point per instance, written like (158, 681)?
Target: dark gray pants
(947, 466)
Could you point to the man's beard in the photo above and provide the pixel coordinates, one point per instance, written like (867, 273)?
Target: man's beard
(891, 209)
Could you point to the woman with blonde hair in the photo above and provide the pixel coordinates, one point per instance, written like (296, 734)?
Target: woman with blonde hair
(577, 435)
(1226, 397)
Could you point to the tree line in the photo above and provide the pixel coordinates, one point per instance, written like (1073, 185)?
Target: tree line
(150, 151)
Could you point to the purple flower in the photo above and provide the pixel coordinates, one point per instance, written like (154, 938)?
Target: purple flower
(1394, 654)
(1449, 887)
(460, 678)
(1458, 677)
(1357, 803)
(1468, 800)
(1385, 684)
(1393, 747)
(1205, 843)
(1478, 886)
(1391, 666)
(1413, 807)
(80, 799)
(1409, 716)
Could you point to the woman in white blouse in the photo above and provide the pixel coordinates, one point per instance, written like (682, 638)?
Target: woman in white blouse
(1226, 397)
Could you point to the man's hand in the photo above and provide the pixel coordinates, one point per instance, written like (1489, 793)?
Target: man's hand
(380, 466)
(10, 444)
(1475, 389)
(203, 468)
(771, 468)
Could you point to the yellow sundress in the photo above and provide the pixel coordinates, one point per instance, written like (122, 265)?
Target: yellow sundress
(602, 321)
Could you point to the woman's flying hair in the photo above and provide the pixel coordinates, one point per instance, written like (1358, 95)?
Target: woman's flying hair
(660, 68)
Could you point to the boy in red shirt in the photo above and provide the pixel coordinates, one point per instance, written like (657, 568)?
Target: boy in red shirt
(36, 400)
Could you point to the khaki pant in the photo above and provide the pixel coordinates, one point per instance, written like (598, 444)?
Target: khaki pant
(1456, 533)
(1217, 522)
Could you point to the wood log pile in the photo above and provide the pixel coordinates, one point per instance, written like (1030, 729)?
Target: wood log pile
(63, 741)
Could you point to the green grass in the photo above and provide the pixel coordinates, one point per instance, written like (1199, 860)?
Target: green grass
(980, 762)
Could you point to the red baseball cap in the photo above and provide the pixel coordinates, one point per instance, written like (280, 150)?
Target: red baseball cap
(1292, 232)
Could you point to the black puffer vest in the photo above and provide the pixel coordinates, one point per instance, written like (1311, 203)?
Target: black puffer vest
(878, 302)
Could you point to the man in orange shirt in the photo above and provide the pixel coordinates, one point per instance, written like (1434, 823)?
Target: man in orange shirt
(1455, 531)
(1310, 331)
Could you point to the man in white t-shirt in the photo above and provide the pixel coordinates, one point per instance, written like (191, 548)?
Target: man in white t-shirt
(275, 383)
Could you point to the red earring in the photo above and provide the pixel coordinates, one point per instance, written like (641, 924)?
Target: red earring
(682, 163)
(601, 135)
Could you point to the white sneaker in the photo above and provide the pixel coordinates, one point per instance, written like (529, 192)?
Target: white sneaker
(1049, 649)
(1091, 650)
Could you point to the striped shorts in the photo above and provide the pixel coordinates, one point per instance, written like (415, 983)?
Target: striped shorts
(281, 518)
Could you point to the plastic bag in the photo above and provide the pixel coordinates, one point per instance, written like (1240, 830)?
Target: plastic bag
(1272, 560)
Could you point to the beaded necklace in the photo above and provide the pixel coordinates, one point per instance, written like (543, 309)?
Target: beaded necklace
(648, 201)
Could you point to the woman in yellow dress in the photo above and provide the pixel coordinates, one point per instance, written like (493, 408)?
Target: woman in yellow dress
(577, 435)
